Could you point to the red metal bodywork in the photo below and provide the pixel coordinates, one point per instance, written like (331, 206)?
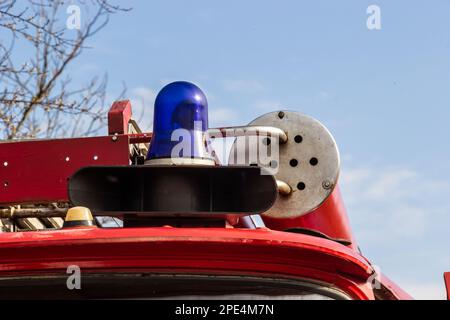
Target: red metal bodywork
(330, 219)
(447, 284)
(119, 116)
(37, 171)
(190, 250)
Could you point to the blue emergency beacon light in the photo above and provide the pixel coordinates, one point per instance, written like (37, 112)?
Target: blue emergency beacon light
(180, 123)
(180, 177)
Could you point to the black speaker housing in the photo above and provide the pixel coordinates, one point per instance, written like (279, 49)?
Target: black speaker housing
(172, 190)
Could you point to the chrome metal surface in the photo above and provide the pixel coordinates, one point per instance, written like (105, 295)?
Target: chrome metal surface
(283, 188)
(308, 162)
(180, 162)
(239, 131)
(253, 221)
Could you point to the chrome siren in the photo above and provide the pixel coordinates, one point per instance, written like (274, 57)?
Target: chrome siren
(306, 166)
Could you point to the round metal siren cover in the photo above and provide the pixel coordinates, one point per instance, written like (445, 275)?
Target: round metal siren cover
(308, 162)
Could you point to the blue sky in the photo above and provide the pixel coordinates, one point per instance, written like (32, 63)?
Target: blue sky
(384, 94)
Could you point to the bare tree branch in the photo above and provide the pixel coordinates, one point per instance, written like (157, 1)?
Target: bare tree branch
(37, 98)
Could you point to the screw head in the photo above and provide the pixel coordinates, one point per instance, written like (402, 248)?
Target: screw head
(327, 184)
(114, 138)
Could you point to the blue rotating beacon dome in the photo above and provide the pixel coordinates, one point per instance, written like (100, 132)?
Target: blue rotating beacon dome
(180, 123)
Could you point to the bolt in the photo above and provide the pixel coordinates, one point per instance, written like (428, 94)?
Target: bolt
(281, 114)
(114, 138)
(327, 184)
(266, 141)
(273, 164)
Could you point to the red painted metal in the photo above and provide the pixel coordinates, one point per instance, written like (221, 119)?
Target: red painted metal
(119, 116)
(330, 219)
(140, 137)
(36, 171)
(393, 288)
(189, 250)
(447, 284)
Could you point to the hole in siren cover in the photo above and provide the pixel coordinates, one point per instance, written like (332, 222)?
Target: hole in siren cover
(293, 162)
(298, 138)
(301, 186)
(313, 161)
